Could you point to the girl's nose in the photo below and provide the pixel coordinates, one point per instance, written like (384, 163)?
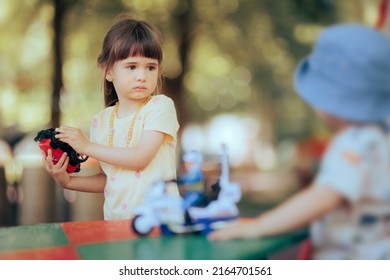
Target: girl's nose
(141, 76)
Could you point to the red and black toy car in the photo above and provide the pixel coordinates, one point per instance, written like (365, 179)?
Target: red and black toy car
(47, 140)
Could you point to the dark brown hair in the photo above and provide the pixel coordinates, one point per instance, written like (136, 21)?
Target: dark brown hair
(128, 37)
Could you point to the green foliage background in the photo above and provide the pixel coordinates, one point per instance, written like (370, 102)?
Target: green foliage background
(221, 56)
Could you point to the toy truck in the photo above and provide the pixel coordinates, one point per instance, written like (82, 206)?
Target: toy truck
(47, 140)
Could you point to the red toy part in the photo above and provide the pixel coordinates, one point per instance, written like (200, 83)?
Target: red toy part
(44, 145)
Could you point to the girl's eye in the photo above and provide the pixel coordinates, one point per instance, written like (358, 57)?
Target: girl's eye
(131, 67)
(151, 68)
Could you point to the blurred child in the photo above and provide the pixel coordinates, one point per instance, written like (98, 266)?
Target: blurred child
(347, 80)
(134, 137)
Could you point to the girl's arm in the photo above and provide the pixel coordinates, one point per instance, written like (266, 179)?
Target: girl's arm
(298, 211)
(129, 158)
(93, 183)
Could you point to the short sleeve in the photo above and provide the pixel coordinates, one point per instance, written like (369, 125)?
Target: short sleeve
(93, 129)
(344, 166)
(98, 132)
(162, 116)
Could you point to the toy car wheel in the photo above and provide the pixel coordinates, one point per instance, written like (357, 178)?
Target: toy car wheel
(141, 225)
(82, 158)
(76, 157)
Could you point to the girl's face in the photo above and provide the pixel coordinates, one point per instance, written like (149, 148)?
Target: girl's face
(134, 78)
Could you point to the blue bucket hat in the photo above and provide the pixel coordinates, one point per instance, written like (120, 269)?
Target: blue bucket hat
(347, 75)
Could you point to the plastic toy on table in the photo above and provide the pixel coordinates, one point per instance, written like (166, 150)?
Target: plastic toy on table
(184, 214)
(47, 141)
(193, 179)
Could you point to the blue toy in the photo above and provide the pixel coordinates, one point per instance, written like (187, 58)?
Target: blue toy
(193, 178)
(185, 214)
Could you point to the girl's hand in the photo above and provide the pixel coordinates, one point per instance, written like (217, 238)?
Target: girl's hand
(58, 170)
(73, 137)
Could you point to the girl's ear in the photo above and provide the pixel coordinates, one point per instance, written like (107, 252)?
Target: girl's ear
(109, 75)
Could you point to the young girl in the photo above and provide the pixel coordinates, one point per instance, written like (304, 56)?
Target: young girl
(346, 79)
(134, 137)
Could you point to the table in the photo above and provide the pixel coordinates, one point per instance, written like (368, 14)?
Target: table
(114, 240)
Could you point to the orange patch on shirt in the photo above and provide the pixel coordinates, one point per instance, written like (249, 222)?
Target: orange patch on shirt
(351, 157)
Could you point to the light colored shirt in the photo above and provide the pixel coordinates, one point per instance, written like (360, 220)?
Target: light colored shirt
(356, 165)
(125, 188)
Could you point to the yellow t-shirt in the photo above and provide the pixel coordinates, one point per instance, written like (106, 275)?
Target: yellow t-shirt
(125, 188)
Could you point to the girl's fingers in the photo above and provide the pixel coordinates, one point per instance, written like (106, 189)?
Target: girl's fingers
(65, 165)
(62, 159)
(62, 164)
(49, 158)
(63, 128)
(60, 131)
(64, 133)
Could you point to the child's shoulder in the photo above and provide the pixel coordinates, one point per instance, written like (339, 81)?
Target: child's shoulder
(161, 101)
(360, 136)
(363, 132)
(104, 113)
(161, 98)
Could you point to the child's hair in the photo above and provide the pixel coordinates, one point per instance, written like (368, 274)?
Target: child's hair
(128, 37)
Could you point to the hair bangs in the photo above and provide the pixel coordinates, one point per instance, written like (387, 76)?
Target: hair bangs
(138, 42)
(145, 49)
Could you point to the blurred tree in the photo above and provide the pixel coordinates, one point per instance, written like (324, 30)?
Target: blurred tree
(223, 56)
(184, 23)
(60, 9)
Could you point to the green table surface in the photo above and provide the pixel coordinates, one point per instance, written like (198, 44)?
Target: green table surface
(114, 240)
